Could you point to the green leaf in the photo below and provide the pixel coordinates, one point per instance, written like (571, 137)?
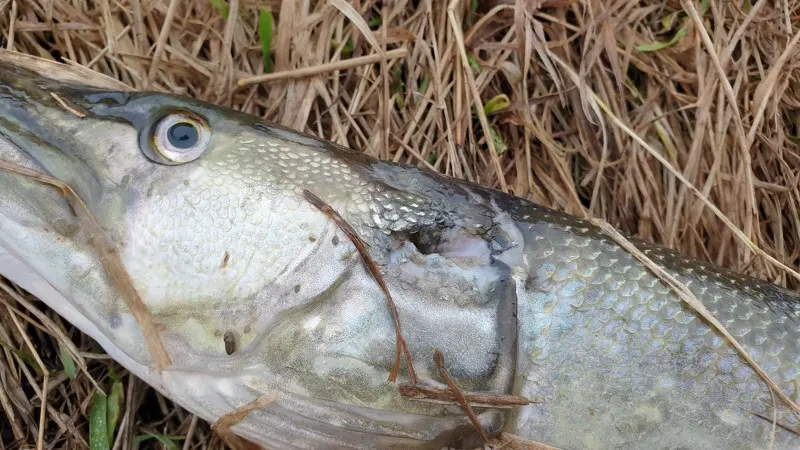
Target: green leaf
(26, 357)
(398, 86)
(496, 104)
(265, 36)
(114, 408)
(167, 441)
(656, 46)
(424, 85)
(499, 144)
(67, 362)
(668, 21)
(474, 64)
(375, 23)
(349, 48)
(223, 8)
(432, 158)
(473, 11)
(704, 4)
(98, 423)
(113, 374)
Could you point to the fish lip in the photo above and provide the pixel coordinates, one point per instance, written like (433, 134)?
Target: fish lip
(36, 114)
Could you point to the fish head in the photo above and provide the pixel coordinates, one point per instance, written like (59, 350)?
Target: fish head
(255, 292)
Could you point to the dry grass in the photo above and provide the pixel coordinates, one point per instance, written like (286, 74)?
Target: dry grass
(720, 105)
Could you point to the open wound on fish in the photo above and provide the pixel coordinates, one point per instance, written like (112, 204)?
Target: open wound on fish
(400, 345)
(448, 250)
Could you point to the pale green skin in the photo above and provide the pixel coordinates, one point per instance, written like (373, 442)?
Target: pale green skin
(519, 299)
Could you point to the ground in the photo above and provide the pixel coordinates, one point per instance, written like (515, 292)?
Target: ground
(675, 121)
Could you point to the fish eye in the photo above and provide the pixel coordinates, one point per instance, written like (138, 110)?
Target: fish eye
(181, 137)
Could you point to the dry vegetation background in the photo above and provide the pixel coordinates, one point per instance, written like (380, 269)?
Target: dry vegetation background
(569, 93)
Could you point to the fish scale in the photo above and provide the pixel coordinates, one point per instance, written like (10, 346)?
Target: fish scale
(648, 337)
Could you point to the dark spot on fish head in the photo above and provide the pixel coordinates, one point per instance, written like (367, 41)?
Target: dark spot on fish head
(296, 288)
(66, 229)
(217, 333)
(230, 342)
(115, 321)
(312, 238)
(126, 180)
(186, 182)
(226, 258)
(247, 328)
(530, 282)
(72, 210)
(335, 240)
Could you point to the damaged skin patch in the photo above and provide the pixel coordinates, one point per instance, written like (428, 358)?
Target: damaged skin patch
(230, 342)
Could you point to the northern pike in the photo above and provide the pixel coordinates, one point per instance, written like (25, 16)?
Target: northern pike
(257, 293)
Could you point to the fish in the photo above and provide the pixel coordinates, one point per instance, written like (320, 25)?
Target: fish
(259, 296)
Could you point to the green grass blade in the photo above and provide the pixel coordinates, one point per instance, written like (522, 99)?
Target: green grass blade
(496, 104)
(222, 7)
(98, 423)
(67, 362)
(499, 143)
(115, 400)
(656, 46)
(265, 36)
(168, 441)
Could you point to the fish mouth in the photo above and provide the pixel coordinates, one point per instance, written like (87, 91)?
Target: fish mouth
(37, 121)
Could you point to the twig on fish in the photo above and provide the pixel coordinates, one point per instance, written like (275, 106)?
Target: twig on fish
(400, 343)
(67, 106)
(687, 296)
(479, 399)
(108, 257)
(223, 424)
(232, 418)
(439, 360)
(784, 426)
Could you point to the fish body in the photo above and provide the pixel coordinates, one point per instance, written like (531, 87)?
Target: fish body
(258, 294)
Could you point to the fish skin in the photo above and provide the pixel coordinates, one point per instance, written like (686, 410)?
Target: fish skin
(519, 298)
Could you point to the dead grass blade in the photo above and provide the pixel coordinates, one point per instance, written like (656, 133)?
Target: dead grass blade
(162, 40)
(62, 338)
(45, 381)
(739, 234)
(324, 68)
(476, 96)
(348, 10)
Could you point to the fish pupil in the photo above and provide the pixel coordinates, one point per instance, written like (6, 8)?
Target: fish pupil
(183, 135)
